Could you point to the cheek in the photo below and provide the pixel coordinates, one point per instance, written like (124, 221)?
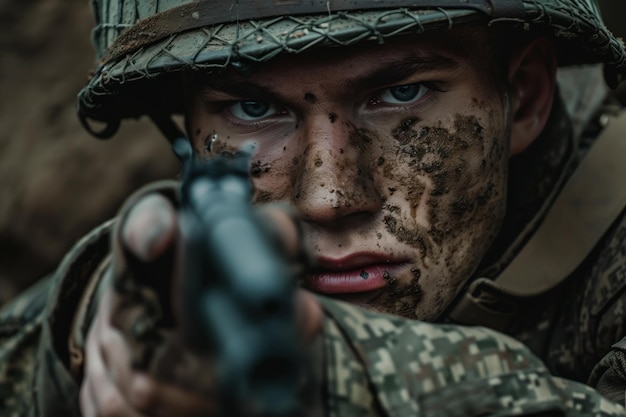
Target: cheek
(455, 171)
(446, 193)
(273, 170)
(468, 188)
(448, 185)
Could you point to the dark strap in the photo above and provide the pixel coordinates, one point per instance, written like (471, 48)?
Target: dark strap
(590, 202)
(199, 14)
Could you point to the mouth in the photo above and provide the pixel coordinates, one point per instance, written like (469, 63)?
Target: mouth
(358, 273)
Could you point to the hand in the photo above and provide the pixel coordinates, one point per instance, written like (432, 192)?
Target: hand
(110, 386)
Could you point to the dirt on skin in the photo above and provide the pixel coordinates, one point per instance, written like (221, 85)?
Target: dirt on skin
(446, 147)
(441, 154)
(56, 181)
(434, 151)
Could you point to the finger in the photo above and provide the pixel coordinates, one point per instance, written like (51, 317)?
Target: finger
(160, 399)
(309, 315)
(87, 400)
(143, 391)
(150, 227)
(99, 395)
(131, 392)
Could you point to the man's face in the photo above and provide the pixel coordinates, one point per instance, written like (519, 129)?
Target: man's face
(395, 156)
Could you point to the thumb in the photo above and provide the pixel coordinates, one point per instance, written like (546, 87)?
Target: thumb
(310, 315)
(149, 229)
(143, 247)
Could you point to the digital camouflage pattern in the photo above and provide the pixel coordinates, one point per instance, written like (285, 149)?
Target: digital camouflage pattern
(374, 365)
(35, 379)
(572, 327)
(579, 321)
(20, 332)
(418, 368)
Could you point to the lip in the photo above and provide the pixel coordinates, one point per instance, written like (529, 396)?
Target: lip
(357, 273)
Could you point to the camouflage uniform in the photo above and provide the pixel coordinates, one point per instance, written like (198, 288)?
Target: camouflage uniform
(373, 364)
(575, 324)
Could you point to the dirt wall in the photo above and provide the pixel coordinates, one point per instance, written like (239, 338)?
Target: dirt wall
(57, 182)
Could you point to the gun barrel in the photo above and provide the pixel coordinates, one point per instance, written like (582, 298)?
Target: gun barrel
(239, 294)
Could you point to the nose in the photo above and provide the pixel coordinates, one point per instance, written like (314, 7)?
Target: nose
(334, 177)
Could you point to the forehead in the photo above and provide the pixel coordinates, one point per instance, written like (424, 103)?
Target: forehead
(460, 47)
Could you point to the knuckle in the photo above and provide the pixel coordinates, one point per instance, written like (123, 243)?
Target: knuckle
(144, 394)
(84, 399)
(111, 404)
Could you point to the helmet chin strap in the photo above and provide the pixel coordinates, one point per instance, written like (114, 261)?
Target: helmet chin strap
(110, 127)
(163, 122)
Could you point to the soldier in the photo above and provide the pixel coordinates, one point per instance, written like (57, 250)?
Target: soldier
(437, 167)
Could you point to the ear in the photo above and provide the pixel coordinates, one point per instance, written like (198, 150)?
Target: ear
(532, 80)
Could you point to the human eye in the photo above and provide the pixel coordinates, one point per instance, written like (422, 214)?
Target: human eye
(403, 94)
(250, 110)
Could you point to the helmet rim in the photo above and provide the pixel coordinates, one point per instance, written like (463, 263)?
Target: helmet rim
(111, 94)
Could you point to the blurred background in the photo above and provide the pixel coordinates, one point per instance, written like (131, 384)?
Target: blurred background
(57, 182)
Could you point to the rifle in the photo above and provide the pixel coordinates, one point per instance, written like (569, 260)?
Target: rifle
(238, 288)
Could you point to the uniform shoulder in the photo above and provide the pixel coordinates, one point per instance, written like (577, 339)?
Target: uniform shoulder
(416, 367)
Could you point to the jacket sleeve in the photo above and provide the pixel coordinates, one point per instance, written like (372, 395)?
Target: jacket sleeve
(373, 364)
(409, 368)
(35, 334)
(609, 376)
(607, 303)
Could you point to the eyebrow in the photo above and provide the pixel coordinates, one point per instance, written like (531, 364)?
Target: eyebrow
(238, 88)
(398, 70)
(394, 71)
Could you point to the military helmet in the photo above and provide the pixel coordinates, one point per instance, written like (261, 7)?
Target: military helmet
(143, 44)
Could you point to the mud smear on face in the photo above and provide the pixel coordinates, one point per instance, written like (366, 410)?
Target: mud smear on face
(262, 196)
(310, 98)
(220, 147)
(345, 177)
(464, 199)
(412, 237)
(360, 139)
(258, 168)
(454, 175)
(399, 298)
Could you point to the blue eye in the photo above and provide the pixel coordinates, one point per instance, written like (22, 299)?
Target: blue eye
(403, 94)
(253, 110)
